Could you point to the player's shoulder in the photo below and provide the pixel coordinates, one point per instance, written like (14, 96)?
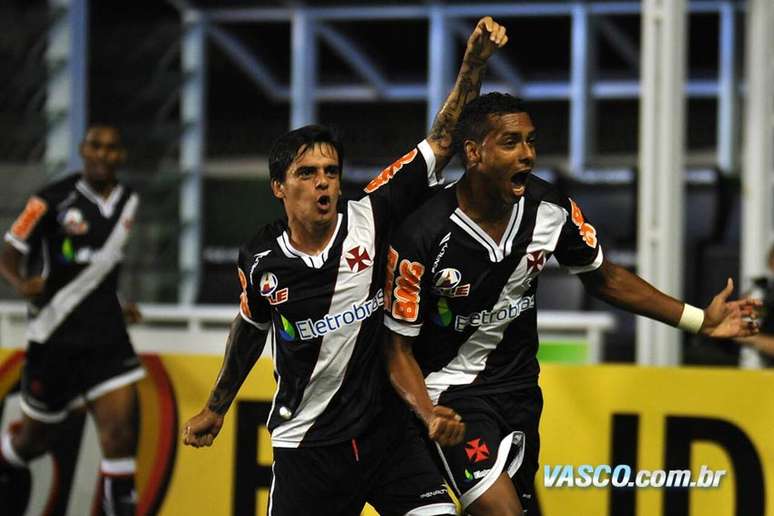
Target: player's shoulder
(539, 190)
(265, 238)
(430, 219)
(128, 191)
(59, 188)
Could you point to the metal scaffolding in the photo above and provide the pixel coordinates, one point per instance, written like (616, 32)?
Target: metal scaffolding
(312, 26)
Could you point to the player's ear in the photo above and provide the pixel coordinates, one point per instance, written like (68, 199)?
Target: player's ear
(472, 152)
(278, 189)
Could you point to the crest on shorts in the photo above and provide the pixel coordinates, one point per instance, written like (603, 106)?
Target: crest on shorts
(476, 450)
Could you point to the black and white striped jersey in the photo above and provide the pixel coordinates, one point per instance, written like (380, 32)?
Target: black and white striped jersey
(469, 300)
(325, 310)
(79, 237)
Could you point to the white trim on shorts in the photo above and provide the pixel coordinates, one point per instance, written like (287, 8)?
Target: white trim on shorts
(499, 466)
(79, 401)
(271, 491)
(434, 509)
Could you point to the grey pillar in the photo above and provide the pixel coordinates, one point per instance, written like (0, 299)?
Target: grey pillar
(661, 176)
(66, 107)
(192, 152)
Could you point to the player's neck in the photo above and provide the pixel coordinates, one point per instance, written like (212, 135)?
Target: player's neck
(101, 188)
(310, 238)
(477, 203)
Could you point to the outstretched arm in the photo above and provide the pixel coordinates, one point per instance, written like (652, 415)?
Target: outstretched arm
(243, 348)
(721, 319)
(486, 37)
(443, 424)
(763, 342)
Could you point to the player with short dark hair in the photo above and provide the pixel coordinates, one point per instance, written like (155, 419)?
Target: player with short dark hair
(460, 300)
(79, 353)
(340, 436)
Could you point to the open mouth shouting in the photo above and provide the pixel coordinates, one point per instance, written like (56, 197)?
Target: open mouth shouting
(324, 203)
(519, 182)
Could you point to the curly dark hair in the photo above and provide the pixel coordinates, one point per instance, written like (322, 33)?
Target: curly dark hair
(474, 122)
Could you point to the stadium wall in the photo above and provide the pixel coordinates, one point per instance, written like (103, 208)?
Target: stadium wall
(648, 418)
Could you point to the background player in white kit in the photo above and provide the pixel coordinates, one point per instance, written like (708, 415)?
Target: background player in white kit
(460, 304)
(338, 431)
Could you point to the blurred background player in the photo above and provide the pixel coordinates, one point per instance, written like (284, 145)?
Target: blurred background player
(340, 436)
(79, 353)
(764, 341)
(460, 304)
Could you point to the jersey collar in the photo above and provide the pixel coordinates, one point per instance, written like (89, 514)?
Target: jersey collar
(106, 206)
(311, 261)
(497, 251)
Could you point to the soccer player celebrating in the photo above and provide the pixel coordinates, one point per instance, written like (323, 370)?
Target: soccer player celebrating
(79, 351)
(339, 433)
(460, 304)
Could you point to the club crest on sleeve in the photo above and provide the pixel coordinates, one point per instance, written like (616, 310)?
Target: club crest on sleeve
(446, 282)
(268, 289)
(358, 259)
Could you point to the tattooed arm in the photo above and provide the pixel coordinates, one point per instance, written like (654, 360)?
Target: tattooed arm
(244, 346)
(486, 37)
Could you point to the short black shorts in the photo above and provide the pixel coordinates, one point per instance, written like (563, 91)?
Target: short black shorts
(388, 466)
(501, 435)
(72, 368)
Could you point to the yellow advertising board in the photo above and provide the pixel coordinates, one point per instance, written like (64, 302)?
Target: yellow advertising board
(654, 419)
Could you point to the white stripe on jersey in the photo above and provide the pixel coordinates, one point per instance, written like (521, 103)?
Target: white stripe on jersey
(103, 261)
(497, 252)
(545, 236)
(472, 356)
(429, 155)
(549, 222)
(336, 347)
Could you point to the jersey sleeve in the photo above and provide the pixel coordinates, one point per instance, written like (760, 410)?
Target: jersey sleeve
(406, 291)
(400, 188)
(578, 248)
(29, 227)
(252, 306)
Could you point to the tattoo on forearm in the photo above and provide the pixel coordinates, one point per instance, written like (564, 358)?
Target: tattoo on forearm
(244, 346)
(466, 88)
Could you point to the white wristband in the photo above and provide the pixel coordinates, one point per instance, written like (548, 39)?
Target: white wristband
(692, 319)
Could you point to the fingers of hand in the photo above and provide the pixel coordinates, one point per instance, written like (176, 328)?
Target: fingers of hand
(498, 35)
(445, 412)
(447, 432)
(487, 23)
(198, 440)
